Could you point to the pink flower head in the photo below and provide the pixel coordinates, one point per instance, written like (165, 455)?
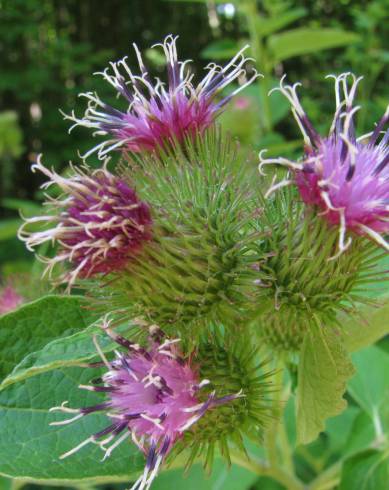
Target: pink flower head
(345, 177)
(99, 223)
(152, 397)
(9, 299)
(159, 114)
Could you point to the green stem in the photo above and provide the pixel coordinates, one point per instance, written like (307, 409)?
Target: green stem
(278, 406)
(250, 11)
(17, 484)
(260, 468)
(285, 449)
(328, 479)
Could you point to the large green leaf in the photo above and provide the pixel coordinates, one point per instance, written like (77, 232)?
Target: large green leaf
(5, 483)
(361, 436)
(339, 428)
(221, 50)
(27, 208)
(36, 324)
(9, 228)
(358, 334)
(370, 386)
(30, 448)
(236, 478)
(266, 26)
(368, 470)
(305, 40)
(323, 371)
(64, 352)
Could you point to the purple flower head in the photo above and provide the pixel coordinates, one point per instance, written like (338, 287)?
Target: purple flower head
(345, 177)
(152, 398)
(9, 299)
(158, 114)
(99, 223)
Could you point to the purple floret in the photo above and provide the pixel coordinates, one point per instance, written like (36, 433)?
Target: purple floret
(345, 177)
(158, 115)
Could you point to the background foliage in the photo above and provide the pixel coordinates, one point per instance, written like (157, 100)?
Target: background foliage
(48, 51)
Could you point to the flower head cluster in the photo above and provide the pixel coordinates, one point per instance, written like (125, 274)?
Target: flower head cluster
(9, 299)
(346, 177)
(159, 114)
(99, 223)
(152, 399)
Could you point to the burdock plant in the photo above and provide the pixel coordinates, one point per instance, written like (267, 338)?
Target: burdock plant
(210, 283)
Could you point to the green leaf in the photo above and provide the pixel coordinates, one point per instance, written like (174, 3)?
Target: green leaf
(369, 386)
(36, 324)
(30, 448)
(339, 428)
(27, 208)
(5, 483)
(221, 50)
(236, 478)
(368, 470)
(9, 228)
(323, 371)
(64, 352)
(361, 436)
(304, 41)
(266, 26)
(358, 334)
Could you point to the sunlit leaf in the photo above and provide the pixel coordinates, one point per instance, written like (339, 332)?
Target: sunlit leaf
(368, 470)
(266, 26)
(305, 41)
(323, 371)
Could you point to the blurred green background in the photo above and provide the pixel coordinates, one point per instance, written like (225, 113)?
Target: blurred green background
(50, 48)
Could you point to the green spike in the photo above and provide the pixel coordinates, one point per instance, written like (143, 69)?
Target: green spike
(232, 365)
(197, 268)
(297, 281)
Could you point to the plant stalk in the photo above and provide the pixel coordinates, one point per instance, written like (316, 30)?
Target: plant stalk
(250, 11)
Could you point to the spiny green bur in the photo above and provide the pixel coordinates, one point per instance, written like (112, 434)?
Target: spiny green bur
(197, 267)
(231, 365)
(302, 282)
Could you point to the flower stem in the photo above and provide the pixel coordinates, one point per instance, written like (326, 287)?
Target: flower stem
(271, 434)
(274, 466)
(250, 11)
(260, 468)
(328, 479)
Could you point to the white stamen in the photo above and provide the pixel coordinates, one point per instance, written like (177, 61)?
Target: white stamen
(109, 451)
(77, 448)
(156, 422)
(375, 236)
(100, 352)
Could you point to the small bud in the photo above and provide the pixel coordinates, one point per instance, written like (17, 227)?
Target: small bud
(99, 223)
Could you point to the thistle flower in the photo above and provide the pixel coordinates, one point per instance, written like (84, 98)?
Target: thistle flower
(156, 114)
(9, 299)
(99, 223)
(345, 177)
(153, 398)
